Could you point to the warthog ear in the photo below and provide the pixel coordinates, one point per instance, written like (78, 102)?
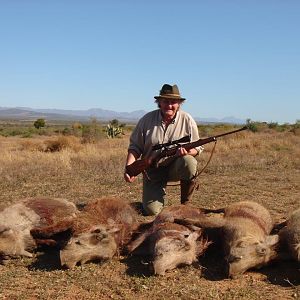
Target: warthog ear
(272, 239)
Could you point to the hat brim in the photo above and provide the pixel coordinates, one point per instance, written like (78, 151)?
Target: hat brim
(169, 97)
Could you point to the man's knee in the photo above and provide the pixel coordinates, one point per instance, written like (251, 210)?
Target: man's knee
(188, 166)
(153, 208)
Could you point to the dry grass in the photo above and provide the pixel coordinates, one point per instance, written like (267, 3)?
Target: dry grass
(264, 167)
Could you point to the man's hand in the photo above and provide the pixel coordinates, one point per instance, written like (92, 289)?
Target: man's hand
(182, 152)
(132, 156)
(128, 178)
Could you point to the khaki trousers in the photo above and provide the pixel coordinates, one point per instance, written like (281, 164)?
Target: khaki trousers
(182, 168)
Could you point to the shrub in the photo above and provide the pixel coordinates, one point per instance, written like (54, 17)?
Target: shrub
(296, 128)
(66, 131)
(77, 128)
(39, 123)
(92, 132)
(27, 135)
(62, 142)
(252, 126)
(30, 145)
(273, 125)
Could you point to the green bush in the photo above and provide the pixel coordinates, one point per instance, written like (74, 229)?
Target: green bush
(252, 126)
(39, 123)
(273, 125)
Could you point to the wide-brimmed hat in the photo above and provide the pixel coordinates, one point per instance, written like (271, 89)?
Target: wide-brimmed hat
(169, 92)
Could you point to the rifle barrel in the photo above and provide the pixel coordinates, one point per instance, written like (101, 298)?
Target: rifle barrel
(230, 132)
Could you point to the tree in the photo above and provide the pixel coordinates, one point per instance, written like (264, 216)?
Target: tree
(39, 123)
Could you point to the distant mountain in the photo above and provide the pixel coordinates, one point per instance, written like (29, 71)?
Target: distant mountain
(94, 112)
(227, 120)
(26, 113)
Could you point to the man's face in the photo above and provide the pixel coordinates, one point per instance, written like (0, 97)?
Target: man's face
(169, 107)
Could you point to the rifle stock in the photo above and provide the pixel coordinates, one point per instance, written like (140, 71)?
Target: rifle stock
(141, 165)
(138, 166)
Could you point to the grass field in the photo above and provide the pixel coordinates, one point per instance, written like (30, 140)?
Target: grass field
(262, 166)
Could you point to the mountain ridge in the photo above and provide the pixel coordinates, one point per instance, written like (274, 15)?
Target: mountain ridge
(20, 113)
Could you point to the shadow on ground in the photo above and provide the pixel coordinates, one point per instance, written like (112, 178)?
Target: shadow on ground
(213, 266)
(48, 260)
(138, 266)
(283, 273)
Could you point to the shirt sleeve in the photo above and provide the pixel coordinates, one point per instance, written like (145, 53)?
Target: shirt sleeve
(195, 134)
(136, 142)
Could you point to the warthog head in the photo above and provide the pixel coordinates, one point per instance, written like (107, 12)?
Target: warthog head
(174, 250)
(13, 243)
(96, 244)
(248, 252)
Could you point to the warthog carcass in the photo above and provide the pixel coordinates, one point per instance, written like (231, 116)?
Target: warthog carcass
(245, 229)
(171, 244)
(290, 235)
(99, 231)
(17, 220)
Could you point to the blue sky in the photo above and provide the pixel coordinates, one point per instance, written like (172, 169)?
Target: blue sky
(229, 58)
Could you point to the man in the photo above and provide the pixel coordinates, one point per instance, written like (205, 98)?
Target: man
(166, 124)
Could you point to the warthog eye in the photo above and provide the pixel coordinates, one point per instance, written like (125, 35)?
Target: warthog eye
(77, 242)
(233, 258)
(261, 250)
(240, 244)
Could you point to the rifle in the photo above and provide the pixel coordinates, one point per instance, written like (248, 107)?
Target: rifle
(141, 165)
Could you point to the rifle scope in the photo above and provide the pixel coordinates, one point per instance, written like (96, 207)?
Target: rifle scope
(185, 139)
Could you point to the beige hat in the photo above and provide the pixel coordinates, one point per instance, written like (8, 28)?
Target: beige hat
(169, 92)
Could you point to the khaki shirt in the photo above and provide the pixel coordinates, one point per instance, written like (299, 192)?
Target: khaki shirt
(151, 130)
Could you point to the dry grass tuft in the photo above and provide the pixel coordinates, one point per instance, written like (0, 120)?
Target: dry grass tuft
(61, 143)
(53, 144)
